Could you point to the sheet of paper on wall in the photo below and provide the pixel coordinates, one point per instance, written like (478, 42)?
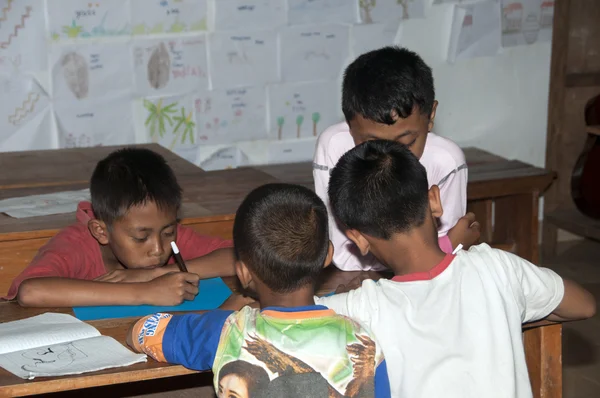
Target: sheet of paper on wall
(231, 115)
(243, 58)
(372, 11)
(43, 205)
(72, 19)
(90, 123)
(322, 11)
(25, 118)
(171, 122)
(170, 66)
(302, 110)
(249, 14)
(91, 71)
(168, 16)
(23, 41)
(368, 37)
(301, 150)
(475, 31)
(225, 158)
(526, 21)
(316, 52)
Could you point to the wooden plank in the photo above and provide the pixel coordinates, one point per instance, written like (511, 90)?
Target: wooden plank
(582, 79)
(543, 353)
(573, 221)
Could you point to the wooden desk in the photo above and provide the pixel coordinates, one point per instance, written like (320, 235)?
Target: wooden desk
(11, 385)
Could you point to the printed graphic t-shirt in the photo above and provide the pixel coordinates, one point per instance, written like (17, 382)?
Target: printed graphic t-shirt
(276, 352)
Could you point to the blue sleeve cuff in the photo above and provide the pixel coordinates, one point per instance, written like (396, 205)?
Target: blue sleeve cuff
(382, 383)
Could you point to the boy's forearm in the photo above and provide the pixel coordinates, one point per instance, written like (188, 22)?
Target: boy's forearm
(63, 292)
(216, 264)
(577, 303)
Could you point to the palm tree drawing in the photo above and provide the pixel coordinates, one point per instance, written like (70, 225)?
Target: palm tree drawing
(404, 4)
(299, 121)
(366, 6)
(73, 30)
(183, 120)
(316, 116)
(157, 117)
(280, 121)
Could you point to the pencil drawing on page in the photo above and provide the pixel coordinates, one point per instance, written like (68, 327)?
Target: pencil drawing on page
(75, 71)
(51, 359)
(159, 67)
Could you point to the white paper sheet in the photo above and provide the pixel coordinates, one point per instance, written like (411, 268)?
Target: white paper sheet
(322, 11)
(168, 16)
(83, 18)
(231, 115)
(390, 10)
(291, 151)
(45, 329)
(95, 122)
(75, 357)
(98, 70)
(368, 37)
(249, 14)
(23, 45)
(303, 109)
(314, 52)
(475, 31)
(526, 21)
(43, 205)
(243, 58)
(170, 66)
(25, 122)
(225, 158)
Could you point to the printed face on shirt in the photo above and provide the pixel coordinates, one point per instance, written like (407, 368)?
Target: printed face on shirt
(411, 131)
(142, 237)
(233, 386)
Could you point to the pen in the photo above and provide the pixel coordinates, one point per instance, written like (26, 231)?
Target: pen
(460, 246)
(178, 258)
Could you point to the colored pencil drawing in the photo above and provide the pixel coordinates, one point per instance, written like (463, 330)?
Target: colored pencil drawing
(76, 74)
(280, 122)
(188, 126)
(26, 108)
(15, 30)
(168, 16)
(85, 19)
(375, 11)
(159, 67)
(158, 118)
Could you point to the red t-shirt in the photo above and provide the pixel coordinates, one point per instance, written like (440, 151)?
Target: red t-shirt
(74, 253)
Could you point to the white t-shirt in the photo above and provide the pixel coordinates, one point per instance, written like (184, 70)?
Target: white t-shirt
(446, 167)
(455, 331)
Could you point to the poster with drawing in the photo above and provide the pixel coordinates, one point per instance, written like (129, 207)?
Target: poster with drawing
(25, 120)
(87, 19)
(372, 11)
(170, 66)
(231, 115)
(368, 37)
(91, 71)
(243, 59)
(302, 110)
(475, 31)
(168, 16)
(249, 14)
(526, 21)
(22, 43)
(322, 11)
(108, 121)
(225, 158)
(313, 52)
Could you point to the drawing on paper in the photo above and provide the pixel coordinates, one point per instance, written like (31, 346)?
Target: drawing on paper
(159, 67)
(158, 117)
(316, 116)
(365, 10)
(5, 10)
(79, 141)
(316, 54)
(76, 74)
(530, 28)
(25, 109)
(238, 58)
(79, 18)
(526, 21)
(171, 119)
(51, 359)
(546, 14)
(512, 15)
(168, 16)
(280, 122)
(188, 128)
(299, 121)
(16, 28)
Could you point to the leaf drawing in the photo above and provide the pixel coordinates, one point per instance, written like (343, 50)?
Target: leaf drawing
(366, 6)
(183, 120)
(75, 72)
(177, 27)
(157, 117)
(280, 121)
(299, 121)
(316, 116)
(73, 30)
(159, 67)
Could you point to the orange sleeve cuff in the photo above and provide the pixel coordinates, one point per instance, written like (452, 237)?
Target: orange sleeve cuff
(148, 335)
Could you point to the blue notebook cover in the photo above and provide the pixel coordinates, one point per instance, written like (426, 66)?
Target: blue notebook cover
(213, 292)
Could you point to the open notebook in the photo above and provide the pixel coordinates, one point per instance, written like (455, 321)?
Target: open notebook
(58, 344)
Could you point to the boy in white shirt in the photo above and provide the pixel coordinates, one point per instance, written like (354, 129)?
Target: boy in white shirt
(449, 325)
(389, 94)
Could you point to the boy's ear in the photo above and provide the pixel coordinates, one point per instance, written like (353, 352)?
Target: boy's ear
(435, 201)
(329, 258)
(432, 116)
(359, 240)
(99, 231)
(243, 274)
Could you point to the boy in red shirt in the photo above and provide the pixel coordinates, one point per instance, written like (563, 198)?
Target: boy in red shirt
(119, 251)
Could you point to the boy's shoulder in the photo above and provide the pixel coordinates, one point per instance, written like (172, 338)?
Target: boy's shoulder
(441, 150)
(333, 143)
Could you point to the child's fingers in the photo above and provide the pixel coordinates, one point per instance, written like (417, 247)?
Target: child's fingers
(191, 278)
(470, 216)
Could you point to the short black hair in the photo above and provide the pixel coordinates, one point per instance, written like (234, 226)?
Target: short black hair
(384, 82)
(379, 188)
(130, 177)
(281, 233)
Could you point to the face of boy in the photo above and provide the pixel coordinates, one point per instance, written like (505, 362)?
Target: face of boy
(411, 131)
(142, 237)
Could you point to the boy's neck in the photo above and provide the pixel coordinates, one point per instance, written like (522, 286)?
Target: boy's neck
(108, 258)
(416, 255)
(299, 298)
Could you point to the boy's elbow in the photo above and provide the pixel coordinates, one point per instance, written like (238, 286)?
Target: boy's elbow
(28, 295)
(590, 308)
